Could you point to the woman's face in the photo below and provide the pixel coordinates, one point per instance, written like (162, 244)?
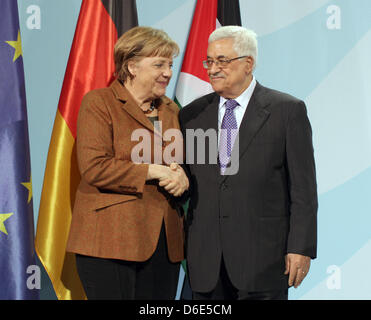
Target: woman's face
(151, 76)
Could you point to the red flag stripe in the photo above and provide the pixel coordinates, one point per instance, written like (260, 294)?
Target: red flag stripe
(204, 23)
(90, 63)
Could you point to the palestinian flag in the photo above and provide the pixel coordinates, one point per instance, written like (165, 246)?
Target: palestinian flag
(193, 81)
(90, 66)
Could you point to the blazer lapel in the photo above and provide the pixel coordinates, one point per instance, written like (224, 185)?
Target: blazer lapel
(129, 105)
(165, 115)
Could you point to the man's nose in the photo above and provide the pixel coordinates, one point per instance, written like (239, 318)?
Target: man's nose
(214, 68)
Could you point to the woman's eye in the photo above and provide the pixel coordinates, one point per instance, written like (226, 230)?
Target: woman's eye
(163, 65)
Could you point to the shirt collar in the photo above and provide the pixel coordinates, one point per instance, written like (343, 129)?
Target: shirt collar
(244, 98)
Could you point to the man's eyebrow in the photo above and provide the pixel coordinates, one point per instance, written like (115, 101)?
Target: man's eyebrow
(218, 57)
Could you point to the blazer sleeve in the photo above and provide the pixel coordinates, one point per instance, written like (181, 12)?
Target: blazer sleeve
(95, 153)
(302, 237)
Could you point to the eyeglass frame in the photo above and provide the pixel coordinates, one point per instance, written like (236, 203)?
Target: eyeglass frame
(218, 62)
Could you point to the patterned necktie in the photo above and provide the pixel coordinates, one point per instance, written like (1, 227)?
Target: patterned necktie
(228, 134)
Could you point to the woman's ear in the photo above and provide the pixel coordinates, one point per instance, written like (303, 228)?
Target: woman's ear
(132, 67)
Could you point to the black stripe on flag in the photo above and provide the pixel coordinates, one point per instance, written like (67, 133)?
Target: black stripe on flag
(123, 14)
(229, 12)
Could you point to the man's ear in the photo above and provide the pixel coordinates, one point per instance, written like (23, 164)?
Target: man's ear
(250, 64)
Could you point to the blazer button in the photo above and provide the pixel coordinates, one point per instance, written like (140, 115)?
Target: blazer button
(224, 186)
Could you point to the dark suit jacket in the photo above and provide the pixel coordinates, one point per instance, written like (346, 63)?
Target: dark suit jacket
(267, 209)
(117, 214)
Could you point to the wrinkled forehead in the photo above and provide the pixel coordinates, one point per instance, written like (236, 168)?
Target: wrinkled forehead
(221, 48)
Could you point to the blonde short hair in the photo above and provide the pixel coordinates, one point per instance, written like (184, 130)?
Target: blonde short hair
(140, 42)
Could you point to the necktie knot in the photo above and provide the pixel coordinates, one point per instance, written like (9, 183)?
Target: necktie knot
(231, 104)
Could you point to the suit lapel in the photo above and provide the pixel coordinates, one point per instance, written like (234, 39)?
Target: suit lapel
(253, 119)
(207, 120)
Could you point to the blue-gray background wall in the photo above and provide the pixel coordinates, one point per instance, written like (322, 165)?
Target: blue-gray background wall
(317, 50)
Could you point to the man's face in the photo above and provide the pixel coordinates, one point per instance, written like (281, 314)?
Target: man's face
(229, 81)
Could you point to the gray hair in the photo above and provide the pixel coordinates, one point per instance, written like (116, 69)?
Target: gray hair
(245, 42)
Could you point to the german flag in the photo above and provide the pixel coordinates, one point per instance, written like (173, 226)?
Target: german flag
(90, 66)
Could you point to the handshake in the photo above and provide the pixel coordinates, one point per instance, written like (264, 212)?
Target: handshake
(172, 178)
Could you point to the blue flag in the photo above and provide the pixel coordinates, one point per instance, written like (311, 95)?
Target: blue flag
(17, 258)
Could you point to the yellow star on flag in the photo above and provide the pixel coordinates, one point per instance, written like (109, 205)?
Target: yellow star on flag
(28, 185)
(3, 217)
(17, 45)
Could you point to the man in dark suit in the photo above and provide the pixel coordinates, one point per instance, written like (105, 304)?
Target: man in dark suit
(252, 217)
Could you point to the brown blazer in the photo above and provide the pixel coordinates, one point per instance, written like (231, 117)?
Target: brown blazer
(117, 214)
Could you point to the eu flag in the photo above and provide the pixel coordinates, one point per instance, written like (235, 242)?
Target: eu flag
(17, 258)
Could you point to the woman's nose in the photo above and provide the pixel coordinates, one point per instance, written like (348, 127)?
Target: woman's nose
(167, 72)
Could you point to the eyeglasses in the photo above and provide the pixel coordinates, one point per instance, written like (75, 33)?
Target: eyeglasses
(222, 63)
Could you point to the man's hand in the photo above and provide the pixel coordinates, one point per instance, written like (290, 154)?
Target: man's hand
(297, 267)
(176, 181)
